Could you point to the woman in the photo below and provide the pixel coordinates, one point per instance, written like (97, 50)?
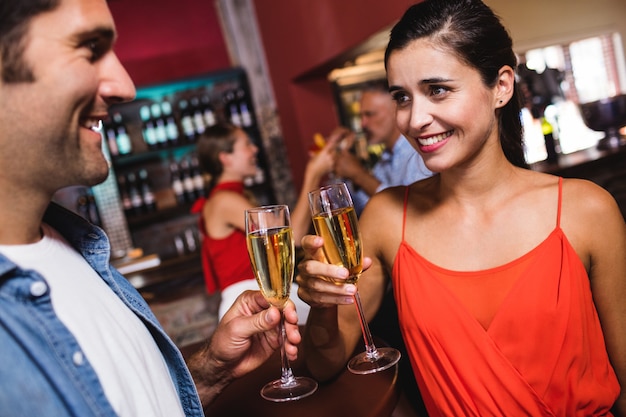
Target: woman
(509, 283)
(226, 153)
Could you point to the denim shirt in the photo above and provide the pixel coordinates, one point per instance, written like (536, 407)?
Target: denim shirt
(43, 371)
(402, 165)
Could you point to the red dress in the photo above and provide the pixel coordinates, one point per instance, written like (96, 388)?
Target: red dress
(521, 339)
(224, 261)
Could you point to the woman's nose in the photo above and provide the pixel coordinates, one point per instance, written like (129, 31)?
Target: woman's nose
(420, 116)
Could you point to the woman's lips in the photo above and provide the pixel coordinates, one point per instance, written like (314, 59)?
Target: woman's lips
(432, 140)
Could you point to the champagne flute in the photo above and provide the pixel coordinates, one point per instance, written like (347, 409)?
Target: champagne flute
(335, 220)
(271, 248)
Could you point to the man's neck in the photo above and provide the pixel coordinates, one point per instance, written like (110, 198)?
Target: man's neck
(20, 218)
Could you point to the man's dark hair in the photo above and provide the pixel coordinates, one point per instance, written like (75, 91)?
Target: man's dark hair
(377, 86)
(15, 18)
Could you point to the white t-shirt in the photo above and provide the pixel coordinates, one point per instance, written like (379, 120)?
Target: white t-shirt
(128, 363)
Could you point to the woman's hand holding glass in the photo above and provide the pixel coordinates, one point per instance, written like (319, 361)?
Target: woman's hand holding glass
(336, 223)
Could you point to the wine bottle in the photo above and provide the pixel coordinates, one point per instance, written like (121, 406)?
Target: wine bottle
(159, 125)
(198, 179)
(188, 184)
(127, 204)
(124, 145)
(171, 128)
(246, 117)
(148, 129)
(111, 138)
(186, 121)
(177, 182)
(229, 99)
(235, 117)
(198, 118)
(135, 195)
(207, 111)
(244, 112)
(147, 195)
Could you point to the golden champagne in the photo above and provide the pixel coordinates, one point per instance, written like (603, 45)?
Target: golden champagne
(272, 255)
(335, 220)
(342, 240)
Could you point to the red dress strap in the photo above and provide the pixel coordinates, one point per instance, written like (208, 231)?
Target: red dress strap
(558, 209)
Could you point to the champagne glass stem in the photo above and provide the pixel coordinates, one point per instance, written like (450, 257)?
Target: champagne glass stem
(370, 348)
(286, 379)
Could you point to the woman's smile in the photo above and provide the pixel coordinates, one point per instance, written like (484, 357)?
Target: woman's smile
(431, 143)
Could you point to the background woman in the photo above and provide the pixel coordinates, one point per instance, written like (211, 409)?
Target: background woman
(227, 154)
(509, 283)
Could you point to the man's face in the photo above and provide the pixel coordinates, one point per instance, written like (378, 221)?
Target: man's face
(378, 117)
(49, 135)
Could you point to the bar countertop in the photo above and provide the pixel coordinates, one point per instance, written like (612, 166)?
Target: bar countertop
(581, 161)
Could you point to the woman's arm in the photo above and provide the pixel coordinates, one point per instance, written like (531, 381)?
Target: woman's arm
(333, 331)
(317, 168)
(603, 231)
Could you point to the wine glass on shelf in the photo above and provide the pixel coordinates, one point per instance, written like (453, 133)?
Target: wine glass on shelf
(271, 248)
(335, 220)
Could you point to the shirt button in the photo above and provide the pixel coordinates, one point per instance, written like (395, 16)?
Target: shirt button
(78, 358)
(37, 289)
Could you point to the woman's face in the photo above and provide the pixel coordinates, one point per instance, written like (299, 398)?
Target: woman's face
(243, 157)
(443, 107)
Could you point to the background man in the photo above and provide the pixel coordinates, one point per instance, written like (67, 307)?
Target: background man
(399, 164)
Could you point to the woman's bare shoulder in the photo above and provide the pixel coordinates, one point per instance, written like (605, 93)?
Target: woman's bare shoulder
(381, 220)
(386, 200)
(590, 216)
(586, 198)
(225, 207)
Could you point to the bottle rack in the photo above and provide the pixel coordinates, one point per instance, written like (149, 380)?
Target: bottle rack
(151, 142)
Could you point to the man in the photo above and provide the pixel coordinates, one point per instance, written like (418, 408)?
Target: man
(76, 339)
(399, 164)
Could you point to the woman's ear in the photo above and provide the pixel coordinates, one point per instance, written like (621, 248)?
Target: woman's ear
(504, 86)
(224, 158)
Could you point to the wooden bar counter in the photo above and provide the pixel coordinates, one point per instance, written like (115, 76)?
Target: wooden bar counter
(373, 395)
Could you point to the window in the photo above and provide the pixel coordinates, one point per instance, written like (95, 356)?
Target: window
(584, 71)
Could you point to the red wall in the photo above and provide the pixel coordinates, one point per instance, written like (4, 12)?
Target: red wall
(303, 41)
(163, 40)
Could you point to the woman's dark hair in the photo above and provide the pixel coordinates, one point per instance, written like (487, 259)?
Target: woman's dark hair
(215, 140)
(472, 32)
(15, 17)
